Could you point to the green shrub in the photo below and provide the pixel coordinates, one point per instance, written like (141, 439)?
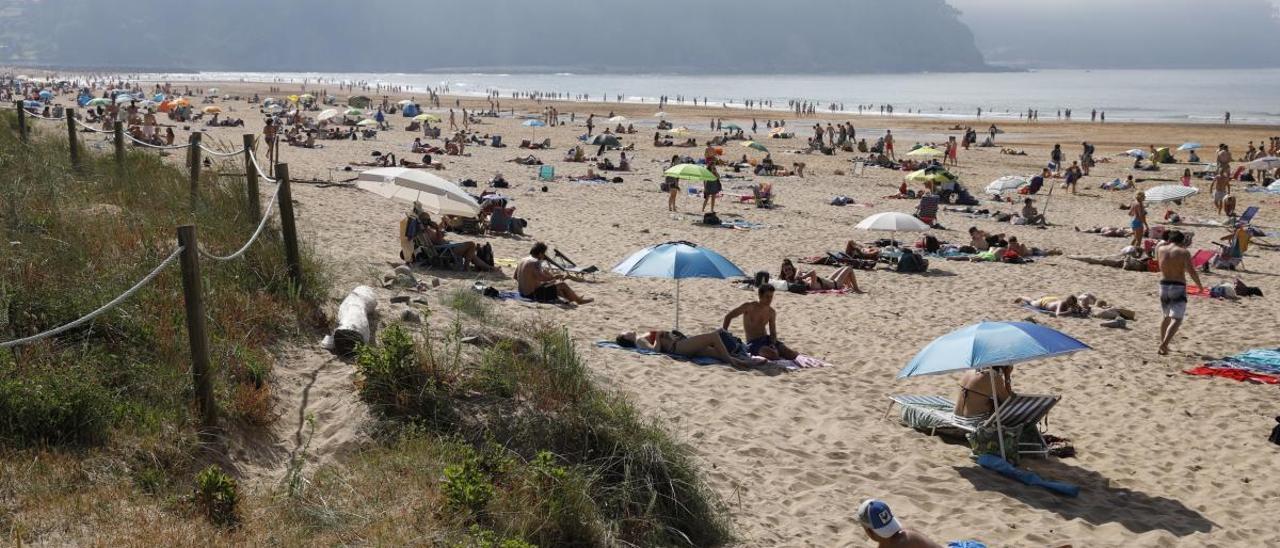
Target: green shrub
(217, 496)
(395, 382)
(467, 487)
(38, 408)
(468, 302)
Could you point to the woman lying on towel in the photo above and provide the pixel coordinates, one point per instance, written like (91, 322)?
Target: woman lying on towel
(842, 279)
(856, 251)
(1058, 306)
(709, 345)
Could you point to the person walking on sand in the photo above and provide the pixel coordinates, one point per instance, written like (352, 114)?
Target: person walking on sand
(453, 121)
(759, 324)
(1175, 264)
(888, 144)
(883, 528)
(1138, 218)
(1224, 159)
(269, 134)
(1221, 188)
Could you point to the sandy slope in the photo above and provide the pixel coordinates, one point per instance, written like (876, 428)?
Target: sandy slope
(1164, 459)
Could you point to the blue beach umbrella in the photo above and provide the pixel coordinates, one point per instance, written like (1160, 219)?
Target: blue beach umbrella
(535, 124)
(1189, 146)
(46, 94)
(990, 344)
(677, 260)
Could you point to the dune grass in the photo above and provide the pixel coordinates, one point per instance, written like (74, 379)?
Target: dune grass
(505, 443)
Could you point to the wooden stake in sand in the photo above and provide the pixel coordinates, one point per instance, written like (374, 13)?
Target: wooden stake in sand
(193, 296)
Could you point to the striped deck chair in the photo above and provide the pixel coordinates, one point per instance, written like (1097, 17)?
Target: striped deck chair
(1246, 218)
(934, 413)
(927, 211)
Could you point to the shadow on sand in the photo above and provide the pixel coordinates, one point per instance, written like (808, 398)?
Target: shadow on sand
(1098, 503)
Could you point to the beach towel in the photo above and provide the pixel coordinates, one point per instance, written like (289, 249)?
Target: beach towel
(1195, 291)
(801, 362)
(965, 544)
(735, 224)
(644, 352)
(1050, 312)
(1234, 373)
(1002, 467)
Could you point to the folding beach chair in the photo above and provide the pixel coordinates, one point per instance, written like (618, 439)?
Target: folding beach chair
(1200, 261)
(1248, 215)
(934, 413)
(500, 219)
(859, 169)
(547, 173)
(571, 267)
(927, 211)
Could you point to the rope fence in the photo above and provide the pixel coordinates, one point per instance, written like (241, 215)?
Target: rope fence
(266, 216)
(188, 250)
(101, 310)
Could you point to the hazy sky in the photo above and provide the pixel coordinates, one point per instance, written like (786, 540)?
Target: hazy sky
(1125, 33)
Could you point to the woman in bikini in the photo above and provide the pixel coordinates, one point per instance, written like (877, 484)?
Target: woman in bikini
(709, 345)
(975, 391)
(1138, 212)
(843, 278)
(1058, 306)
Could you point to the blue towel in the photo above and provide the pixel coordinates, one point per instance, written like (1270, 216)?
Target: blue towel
(695, 361)
(513, 296)
(965, 544)
(1257, 359)
(1001, 466)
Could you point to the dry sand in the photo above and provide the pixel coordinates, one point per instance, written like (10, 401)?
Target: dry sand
(1163, 458)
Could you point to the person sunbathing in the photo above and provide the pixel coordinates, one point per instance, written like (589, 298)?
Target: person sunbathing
(707, 345)
(536, 283)
(432, 234)
(1058, 306)
(854, 250)
(529, 160)
(976, 385)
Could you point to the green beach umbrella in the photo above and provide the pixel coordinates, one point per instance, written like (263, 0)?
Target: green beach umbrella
(925, 152)
(427, 118)
(928, 176)
(731, 127)
(755, 145)
(354, 112)
(99, 102)
(690, 172)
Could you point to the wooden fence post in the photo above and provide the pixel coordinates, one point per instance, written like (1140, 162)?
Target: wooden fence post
(70, 114)
(193, 296)
(251, 180)
(287, 226)
(118, 135)
(22, 120)
(193, 154)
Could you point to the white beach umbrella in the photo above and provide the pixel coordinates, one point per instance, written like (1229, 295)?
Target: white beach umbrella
(660, 115)
(1269, 162)
(618, 119)
(1135, 152)
(437, 196)
(328, 114)
(1169, 193)
(1008, 183)
(892, 221)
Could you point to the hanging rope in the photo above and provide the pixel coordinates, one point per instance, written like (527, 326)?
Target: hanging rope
(266, 216)
(100, 311)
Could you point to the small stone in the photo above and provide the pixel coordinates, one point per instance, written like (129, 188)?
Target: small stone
(400, 299)
(435, 282)
(410, 316)
(644, 231)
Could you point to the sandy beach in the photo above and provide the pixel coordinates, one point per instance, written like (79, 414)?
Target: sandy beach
(1162, 458)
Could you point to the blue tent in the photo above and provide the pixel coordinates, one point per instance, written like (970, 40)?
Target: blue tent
(411, 110)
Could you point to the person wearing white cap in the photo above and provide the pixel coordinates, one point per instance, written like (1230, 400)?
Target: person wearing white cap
(878, 521)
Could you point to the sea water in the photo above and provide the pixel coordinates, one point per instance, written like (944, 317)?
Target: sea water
(1124, 95)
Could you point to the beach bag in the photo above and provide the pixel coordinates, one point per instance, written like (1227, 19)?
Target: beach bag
(986, 441)
(931, 244)
(710, 218)
(1275, 433)
(912, 263)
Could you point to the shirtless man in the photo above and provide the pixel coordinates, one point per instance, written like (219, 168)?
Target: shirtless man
(1175, 264)
(1221, 188)
(536, 283)
(759, 322)
(1224, 159)
(882, 528)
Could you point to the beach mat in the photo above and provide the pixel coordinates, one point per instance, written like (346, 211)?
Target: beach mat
(696, 361)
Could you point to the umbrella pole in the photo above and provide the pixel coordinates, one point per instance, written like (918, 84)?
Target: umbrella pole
(1045, 213)
(995, 405)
